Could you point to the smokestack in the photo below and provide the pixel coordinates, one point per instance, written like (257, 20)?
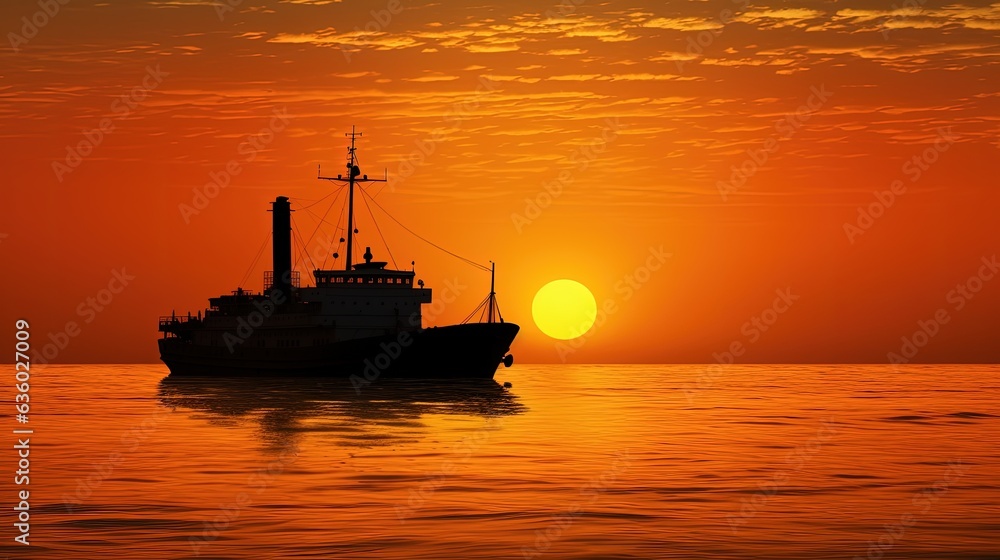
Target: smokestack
(281, 243)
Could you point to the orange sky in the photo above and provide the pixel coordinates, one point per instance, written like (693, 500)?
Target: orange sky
(634, 115)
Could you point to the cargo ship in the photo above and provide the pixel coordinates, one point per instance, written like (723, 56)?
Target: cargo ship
(362, 321)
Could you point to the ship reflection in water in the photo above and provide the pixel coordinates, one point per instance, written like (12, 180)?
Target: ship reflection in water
(382, 413)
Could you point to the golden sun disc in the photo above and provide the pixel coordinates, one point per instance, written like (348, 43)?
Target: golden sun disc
(564, 309)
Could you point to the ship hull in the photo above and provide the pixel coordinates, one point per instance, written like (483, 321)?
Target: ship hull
(469, 351)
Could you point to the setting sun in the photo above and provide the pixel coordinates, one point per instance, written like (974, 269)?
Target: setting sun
(564, 309)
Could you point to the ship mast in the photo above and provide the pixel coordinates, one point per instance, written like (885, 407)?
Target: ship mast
(352, 172)
(352, 177)
(489, 306)
(493, 293)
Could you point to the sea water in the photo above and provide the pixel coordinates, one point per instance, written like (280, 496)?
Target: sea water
(573, 461)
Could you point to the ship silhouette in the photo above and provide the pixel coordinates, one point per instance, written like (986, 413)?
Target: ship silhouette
(363, 321)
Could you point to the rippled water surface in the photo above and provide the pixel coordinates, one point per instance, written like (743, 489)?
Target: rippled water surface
(575, 462)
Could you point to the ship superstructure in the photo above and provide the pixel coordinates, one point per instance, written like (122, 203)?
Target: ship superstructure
(362, 320)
